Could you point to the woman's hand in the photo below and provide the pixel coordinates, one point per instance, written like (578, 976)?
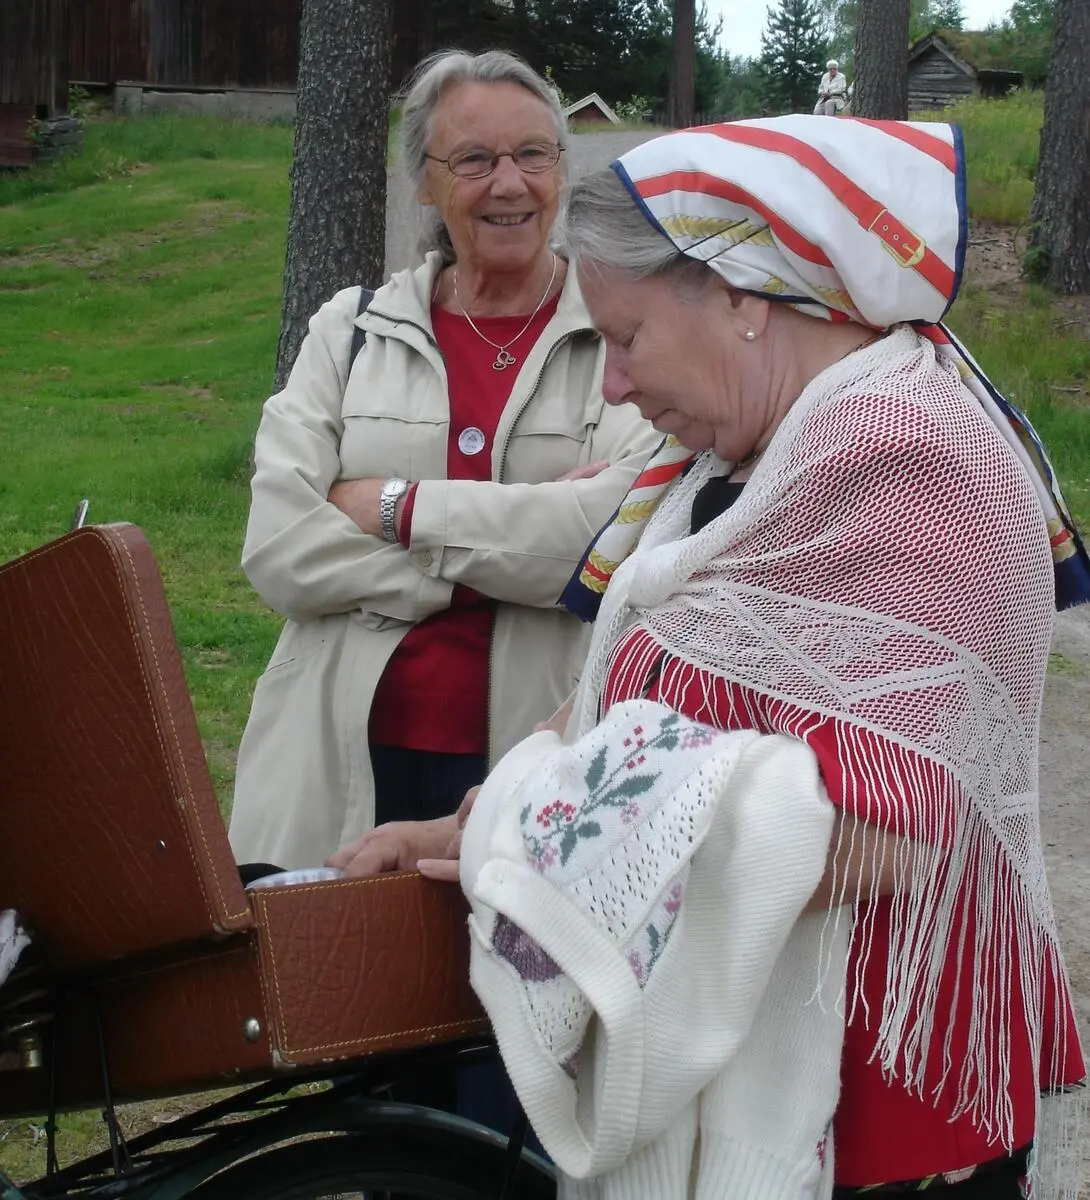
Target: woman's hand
(398, 846)
(558, 722)
(444, 867)
(359, 500)
(587, 471)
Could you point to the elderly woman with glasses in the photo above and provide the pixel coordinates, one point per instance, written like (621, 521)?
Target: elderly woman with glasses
(833, 91)
(417, 509)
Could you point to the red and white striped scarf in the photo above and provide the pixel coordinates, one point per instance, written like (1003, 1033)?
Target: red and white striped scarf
(846, 220)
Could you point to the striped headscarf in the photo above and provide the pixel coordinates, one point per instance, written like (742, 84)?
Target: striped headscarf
(846, 220)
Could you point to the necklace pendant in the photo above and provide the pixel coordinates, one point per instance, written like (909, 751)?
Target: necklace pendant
(504, 360)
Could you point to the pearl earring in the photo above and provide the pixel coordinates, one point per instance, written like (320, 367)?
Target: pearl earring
(751, 334)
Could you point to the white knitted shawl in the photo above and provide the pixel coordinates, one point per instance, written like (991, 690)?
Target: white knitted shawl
(636, 942)
(887, 567)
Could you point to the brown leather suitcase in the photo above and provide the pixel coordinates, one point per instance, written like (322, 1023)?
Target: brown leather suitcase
(114, 852)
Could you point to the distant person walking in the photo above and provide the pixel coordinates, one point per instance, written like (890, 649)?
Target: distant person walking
(832, 91)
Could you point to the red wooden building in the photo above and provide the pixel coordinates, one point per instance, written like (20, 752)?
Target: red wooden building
(33, 73)
(190, 43)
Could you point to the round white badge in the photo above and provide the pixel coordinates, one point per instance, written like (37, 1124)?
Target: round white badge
(471, 440)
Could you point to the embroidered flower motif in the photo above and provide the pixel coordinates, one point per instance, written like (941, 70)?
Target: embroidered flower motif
(638, 969)
(542, 855)
(696, 738)
(561, 826)
(673, 900)
(556, 814)
(522, 952)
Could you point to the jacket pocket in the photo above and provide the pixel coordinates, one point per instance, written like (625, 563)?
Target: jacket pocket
(298, 641)
(380, 446)
(539, 452)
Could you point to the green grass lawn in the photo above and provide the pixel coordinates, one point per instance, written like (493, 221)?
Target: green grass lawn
(139, 311)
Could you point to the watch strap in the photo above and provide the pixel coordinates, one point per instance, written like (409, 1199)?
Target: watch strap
(392, 491)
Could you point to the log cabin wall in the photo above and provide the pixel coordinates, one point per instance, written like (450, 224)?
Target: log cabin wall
(187, 43)
(33, 73)
(935, 81)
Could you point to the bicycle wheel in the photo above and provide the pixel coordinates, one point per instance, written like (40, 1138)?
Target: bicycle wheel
(377, 1165)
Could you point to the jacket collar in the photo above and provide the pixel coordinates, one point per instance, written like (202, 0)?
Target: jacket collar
(407, 297)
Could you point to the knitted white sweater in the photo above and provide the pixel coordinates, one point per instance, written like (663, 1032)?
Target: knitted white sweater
(671, 1024)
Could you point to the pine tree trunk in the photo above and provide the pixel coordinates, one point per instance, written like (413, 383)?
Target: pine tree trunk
(681, 95)
(1060, 218)
(337, 226)
(881, 60)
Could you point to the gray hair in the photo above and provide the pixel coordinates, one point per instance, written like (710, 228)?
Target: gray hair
(431, 79)
(832, 63)
(604, 228)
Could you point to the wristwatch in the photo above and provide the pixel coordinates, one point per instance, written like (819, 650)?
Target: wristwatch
(392, 491)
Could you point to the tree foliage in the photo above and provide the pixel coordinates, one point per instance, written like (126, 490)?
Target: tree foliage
(925, 16)
(794, 47)
(839, 19)
(1023, 41)
(1020, 42)
(621, 49)
(741, 88)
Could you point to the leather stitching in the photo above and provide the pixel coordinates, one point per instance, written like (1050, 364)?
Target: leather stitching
(111, 544)
(178, 757)
(263, 902)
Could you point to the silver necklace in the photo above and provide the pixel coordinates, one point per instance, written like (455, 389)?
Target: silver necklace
(504, 357)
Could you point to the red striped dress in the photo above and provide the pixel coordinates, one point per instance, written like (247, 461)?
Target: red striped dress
(882, 1132)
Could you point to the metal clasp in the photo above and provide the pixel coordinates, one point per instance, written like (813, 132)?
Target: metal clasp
(79, 516)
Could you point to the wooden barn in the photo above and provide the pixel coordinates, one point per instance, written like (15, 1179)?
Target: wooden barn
(945, 67)
(184, 43)
(33, 73)
(209, 44)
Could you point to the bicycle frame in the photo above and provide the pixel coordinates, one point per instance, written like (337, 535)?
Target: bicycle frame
(168, 1163)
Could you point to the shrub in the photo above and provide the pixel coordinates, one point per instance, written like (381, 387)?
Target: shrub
(1002, 137)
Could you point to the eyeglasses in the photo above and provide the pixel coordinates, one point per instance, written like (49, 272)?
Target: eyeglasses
(476, 164)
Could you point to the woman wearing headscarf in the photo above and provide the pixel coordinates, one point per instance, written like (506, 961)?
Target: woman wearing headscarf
(770, 919)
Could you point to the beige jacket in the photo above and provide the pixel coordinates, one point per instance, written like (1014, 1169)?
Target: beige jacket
(304, 785)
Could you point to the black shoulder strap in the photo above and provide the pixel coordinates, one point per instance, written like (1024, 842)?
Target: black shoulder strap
(358, 335)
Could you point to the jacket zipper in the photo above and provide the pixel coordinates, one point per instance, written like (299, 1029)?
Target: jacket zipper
(499, 479)
(568, 336)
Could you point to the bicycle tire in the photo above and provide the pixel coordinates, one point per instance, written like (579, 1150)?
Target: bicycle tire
(374, 1165)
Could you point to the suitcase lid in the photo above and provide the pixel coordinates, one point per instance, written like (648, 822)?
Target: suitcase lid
(112, 841)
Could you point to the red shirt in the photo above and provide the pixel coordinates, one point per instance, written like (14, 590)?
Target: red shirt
(883, 1133)
(433, 694)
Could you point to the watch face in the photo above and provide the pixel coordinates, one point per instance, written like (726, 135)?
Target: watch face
(393, 487)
